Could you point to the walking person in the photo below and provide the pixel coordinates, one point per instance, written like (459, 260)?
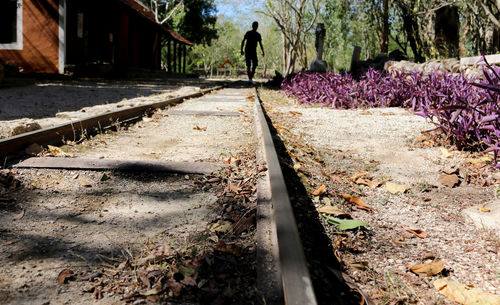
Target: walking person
(252, 38)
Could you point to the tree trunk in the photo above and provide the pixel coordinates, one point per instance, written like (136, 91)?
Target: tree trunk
(384, 44)
(411, 28)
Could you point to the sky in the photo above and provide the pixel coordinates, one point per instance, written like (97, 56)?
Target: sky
(241, 11)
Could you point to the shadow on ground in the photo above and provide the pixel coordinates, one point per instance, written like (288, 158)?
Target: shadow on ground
(325, 270)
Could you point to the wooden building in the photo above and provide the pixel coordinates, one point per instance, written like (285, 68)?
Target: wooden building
(49, 36)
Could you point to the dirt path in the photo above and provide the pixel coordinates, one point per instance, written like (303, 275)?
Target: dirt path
(109, 226)
(348, 150)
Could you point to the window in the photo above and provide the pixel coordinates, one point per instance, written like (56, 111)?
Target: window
(11, 25)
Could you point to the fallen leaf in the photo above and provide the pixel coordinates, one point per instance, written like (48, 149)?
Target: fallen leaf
(280, 127)
(432, 268)
(105, 177)
(297, 166)
(360, 203)
(332, 210)
(485, 159)
(358, 175)
(359, 266)
(294, 113)
(222, 227)
(228, 248)
(320, 190)
(244, 224)
(64, 276)
(345, 224)
(241, 111)
(464, 294)
(19, 216)
(445, 152)
(395, 188)
(199, 128)
(57, 152)
(153, 291)
(174, 286)
(418, 233)
(97, 293)
(448, 180)
(367, 182)
(86, 184)
(186, 270)
(485, 210)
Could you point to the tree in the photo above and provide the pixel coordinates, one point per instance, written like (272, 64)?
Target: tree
(295, 19)
(197, 21)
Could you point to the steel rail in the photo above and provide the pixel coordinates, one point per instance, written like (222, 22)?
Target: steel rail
(296, 281)
(73, 130)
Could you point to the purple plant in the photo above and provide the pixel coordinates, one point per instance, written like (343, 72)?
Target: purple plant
(467, 111)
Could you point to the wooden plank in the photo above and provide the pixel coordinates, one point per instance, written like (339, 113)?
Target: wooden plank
(204, 113)
(470, 61)
(220, 100)
(297, 284)
(121, 165)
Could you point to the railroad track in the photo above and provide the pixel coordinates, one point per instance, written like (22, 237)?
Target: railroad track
(282, 274)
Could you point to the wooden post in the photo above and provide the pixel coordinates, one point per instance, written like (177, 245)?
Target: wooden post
(175, 57)
(179, 54)
(184, 60)
(169, 58)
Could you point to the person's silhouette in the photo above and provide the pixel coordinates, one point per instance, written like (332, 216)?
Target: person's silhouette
(252, 38)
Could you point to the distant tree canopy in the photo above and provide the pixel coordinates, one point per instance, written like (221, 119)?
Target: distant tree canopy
(193, 19)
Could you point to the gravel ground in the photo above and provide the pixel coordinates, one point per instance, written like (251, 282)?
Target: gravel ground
(84, 220)
(51, 103)
(379, 142)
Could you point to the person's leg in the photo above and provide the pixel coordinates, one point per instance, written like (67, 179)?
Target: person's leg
(249, 63)
(254, 65)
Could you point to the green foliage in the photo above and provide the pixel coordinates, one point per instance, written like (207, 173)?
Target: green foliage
(197, 21)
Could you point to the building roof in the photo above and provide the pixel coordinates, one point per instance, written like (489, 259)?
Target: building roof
(146, 12)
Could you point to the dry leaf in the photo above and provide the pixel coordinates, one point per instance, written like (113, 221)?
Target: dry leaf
(64, 276)
(294, 113)
(57, 152)
(485, 159)
(199, 128)
(244, 224)
(223, 227)
(485, 210)
(395, 188)
(445, 152)
(332, 210)
(464, 294)
(418, 233)
(358, 175)
(228, 248)
(357, 201)
(432, 268)
(154, 291)
(448, 180)
(86, 184)
(19, 216)
(320, 190)
(367, 182)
